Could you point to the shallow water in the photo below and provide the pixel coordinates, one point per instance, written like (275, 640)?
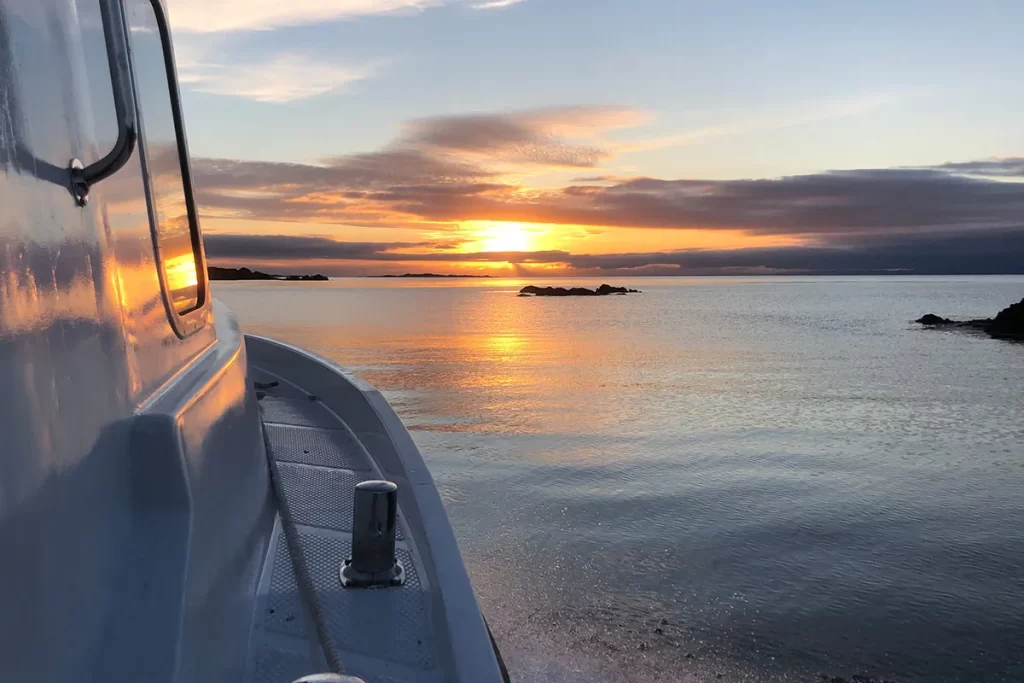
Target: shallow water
(762, 479)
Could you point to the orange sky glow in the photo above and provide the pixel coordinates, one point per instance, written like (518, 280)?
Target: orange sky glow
(369, 137)
(510, 185)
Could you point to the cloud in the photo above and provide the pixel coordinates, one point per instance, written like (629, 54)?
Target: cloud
(353, 176)
(803, 114)
(996, 252)
(541, 137)
(207, 16)
(965, 253)
(814, 205)
(445, 171)
(419, 187)
(583, 120)
(596, 179)
(283, 247)
(435, 167)
(1009, 167)
(280, 78)
(496, 4)
(269, 248)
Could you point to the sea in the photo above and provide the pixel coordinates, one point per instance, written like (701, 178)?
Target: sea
(717, 479)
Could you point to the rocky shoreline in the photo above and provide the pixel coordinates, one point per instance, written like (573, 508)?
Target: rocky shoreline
(1008, 323)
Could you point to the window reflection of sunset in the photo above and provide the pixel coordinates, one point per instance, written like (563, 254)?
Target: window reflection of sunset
(182, 280)
(181, 271)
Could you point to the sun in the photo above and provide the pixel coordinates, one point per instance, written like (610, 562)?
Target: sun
(494, 236)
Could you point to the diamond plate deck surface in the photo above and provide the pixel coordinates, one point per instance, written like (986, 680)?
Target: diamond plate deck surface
(325, 447)
(304, 412)
(390, 624)
(387, 634)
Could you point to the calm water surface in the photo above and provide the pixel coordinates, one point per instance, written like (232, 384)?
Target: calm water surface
(757, 479)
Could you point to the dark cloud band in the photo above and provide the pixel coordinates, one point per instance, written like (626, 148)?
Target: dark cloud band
(993, 252)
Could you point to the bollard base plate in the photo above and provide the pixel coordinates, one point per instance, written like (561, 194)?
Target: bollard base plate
(350, 578)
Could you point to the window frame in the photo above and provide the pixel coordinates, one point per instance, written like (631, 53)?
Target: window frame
(191, 321)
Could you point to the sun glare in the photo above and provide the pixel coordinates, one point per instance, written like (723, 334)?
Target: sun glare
(503, 237)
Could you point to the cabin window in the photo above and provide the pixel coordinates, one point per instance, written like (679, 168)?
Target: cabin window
(172, 209)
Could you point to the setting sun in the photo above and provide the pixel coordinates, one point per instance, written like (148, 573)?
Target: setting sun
(503, 237)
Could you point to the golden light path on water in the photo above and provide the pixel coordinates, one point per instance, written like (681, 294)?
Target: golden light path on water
(760, 478)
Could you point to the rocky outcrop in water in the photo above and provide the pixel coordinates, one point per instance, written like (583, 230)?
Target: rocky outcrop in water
(932, 319)
(1008, 323)
(603, 290)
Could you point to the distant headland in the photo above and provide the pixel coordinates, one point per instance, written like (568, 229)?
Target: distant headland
(217, 273)
(428, 275)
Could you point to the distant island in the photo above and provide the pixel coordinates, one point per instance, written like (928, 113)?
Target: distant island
(217, 273)
(603, 290)
(428, 275)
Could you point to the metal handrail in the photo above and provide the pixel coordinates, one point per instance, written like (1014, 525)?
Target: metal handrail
(116, 37)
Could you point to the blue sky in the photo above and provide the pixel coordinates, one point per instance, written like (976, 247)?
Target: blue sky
(894, 82)
(688, 90)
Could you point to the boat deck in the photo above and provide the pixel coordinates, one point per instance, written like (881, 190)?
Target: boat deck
(384, 635)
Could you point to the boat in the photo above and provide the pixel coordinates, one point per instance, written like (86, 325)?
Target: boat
(181, 501)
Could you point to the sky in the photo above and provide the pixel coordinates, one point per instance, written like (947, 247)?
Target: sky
(574, 137)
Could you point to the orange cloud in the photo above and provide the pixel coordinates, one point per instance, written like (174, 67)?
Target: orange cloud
(445, 180)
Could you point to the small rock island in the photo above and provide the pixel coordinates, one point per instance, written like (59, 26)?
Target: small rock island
(1008, 323)
(603, 290)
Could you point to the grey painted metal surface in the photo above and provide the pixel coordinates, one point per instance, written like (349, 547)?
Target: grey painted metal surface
(134, 508)
(439, 635)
